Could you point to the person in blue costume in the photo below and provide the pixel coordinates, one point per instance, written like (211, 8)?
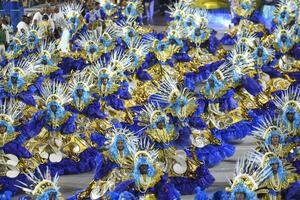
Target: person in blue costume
(288, 106)
(282, 182)
(33, 41)
(282, 41)
(162, 130)
(245, 17)
(83, 101)
(146, 176)
(178, 102)
(74, 27)
(53, 116)
(285, 14)
(92, 17)
(134, 9)
(52, 129)
(131, 36)
(42, 185)
(264, 58)
(247, 180)
(97, 45)
(108, 80)
(13, 156)
(199, 35)
(119, 144)
(20, 81)
(14, 51)
(45, 60)
(109, 11)
(272, 134)
(244, 74)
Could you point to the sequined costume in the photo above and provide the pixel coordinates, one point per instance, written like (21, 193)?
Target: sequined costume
(151, 111)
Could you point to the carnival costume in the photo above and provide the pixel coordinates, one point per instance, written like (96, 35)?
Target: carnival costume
(151, 111)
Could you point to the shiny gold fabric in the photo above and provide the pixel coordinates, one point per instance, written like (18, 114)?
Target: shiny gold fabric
(216, 4)
(211, 4)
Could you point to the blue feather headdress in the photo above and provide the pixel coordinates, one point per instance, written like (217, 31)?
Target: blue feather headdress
(283, 39)
(240, 62)
(269, 128)
(247, 178)
(10, 112)
(144, 154)
(81, 81)
(289, 103)
(42, 186)
(266, 160)
(129, 140)
(286, 11)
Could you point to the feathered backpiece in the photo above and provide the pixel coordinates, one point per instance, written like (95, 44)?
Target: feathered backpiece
(288, 104)
(24, 69)
(89, 41)
(245, 39)
(199, 35)
(106, 38)
(263, 54)
(71, 10)
(32, 37)
(143, 148)
(11, 111)
(217, 83)
(106, 76)
(182, 103)
(285, 12)
(47, 48)
(134, 8)
(247, 176)
(178, 10)
(175, 33)
(200, 16)
(167, 89)
(81, 80)
(269, 127)
(108, 7)
(241, 61)
(265, 161)
(127, 29)
(42, 186)
(120, 60)
(157, 124)
(151, 114)
(45, 58)
(15, 48)
(55, 91)
(102, 68)
(18, 76)
(288, 100)
(137, 49)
